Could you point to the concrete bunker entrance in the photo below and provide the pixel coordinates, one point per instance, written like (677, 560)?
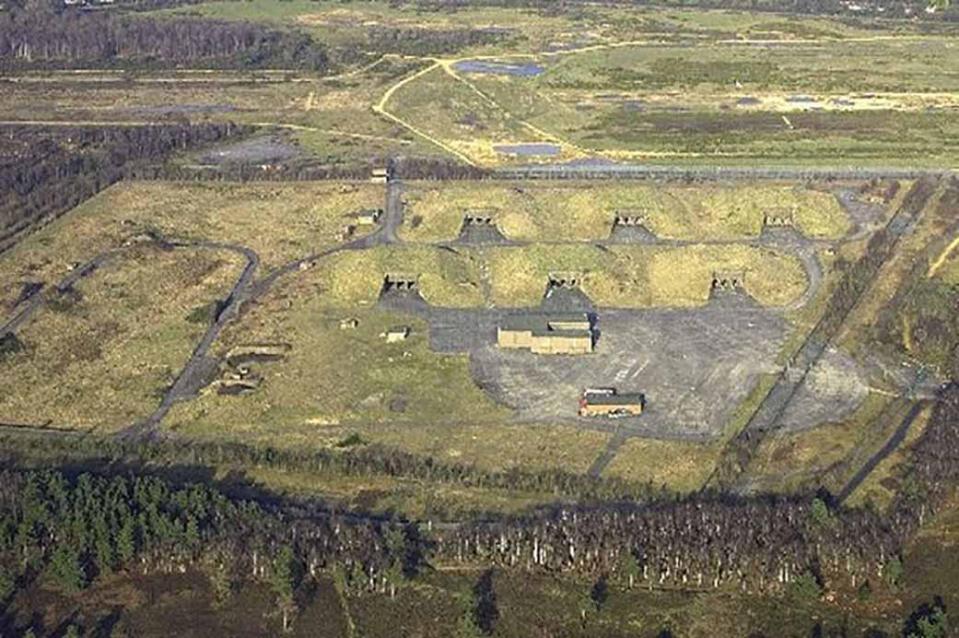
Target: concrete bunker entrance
(400, 283)
(728, 281)
(479, 227)
(631, 225)
(783, 217)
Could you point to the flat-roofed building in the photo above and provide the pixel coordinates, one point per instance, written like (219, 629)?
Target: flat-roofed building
(607, 402)
(368, 216)
(547, 333)
(397, 334)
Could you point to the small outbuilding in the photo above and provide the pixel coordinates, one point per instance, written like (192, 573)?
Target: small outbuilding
(780, 217)
(609, 403)
(397, 334)
(367, 216)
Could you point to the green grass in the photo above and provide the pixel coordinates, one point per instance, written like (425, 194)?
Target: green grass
(334, 379)
(585, 211)
(881, 485)
(901, 66)
(446, 278)
(420, 500)
(643, 276)
(676, 465)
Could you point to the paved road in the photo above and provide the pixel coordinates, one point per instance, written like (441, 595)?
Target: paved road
(649, 171)
(199, 365)
(393, 212)
(24, 311)
(198, 368)
(606, 457)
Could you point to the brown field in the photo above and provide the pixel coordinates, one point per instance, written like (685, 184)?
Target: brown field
(101, 358)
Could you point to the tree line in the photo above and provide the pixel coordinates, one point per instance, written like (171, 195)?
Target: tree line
(26, 449)
(73, 528)
(48, 172)
(79, 39)
(73, 531)
(757, 544)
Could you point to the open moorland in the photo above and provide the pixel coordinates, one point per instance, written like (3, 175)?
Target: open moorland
(494, 86)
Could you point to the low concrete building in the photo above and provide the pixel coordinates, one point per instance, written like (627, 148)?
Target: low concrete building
(547, 333)
(397, 334)
(368, 216)
(607, 402)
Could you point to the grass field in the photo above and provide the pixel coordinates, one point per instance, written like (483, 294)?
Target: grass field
(453, 113)
(651, 84)
(618, 276)
(333, 378)
(446, 278)
(676, 465)
(279, 221)
(103, 356)
(636, 276)
(422, 500)
(913, 246)
(335, 383)
(881, 485)
(790, 459)
(585, 211)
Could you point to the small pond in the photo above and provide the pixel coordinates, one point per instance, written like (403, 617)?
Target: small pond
(527, 150)
(499, 68)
